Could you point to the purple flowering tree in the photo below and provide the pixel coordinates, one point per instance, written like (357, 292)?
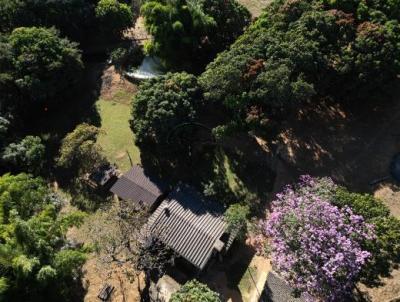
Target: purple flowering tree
(315, 246)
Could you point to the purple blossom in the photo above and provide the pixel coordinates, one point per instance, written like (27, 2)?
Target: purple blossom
(314, 245)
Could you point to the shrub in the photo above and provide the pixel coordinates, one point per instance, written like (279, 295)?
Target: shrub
(195, 291)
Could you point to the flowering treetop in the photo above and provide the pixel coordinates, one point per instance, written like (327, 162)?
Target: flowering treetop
(314, 245)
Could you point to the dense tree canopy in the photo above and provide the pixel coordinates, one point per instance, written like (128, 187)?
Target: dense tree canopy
(79, 151)
(72, 17)
(33, 60)
(187, 29)
(385, 249)
(299, 49)
(76, 19)
(195, 291)
(162, 104)
(113, 16)
(34, 264)
(316, 246)
(26, 154)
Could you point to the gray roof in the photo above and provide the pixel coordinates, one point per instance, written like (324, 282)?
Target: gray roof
(136, 186)
(277, 290)
(189, 224)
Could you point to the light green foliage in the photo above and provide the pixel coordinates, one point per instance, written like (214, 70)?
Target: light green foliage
(114, 16)
(23, 266)
(68, 262)
(163, 103)
(236, 217)
(195, 291)
(299, 49)
(79, 151)
(186, 28)
(21, 193)
(28, 153)
(46, 274)
(32, 235)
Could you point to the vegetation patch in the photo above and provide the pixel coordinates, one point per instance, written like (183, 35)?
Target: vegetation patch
(116, 137)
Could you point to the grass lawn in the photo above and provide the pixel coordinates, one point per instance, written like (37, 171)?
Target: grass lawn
(117, 139)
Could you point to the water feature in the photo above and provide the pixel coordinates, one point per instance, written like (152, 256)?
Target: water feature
(150, 67)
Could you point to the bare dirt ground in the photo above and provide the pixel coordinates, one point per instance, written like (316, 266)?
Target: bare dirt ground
(138, 32)
(353, 149)
(113, 84)
(95, 276)
(255, 6)
(329, 140)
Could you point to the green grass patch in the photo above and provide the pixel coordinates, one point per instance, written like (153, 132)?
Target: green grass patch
(117, 139)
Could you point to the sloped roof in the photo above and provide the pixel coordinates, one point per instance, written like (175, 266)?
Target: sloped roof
(277, 290)
(136, 186)
(189, 224)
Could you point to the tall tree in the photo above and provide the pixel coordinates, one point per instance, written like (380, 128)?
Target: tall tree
(317, 247)
(79, 151)
(188, 29)
(35, 261)
(35, 61)
(162, 104)
(299, 50)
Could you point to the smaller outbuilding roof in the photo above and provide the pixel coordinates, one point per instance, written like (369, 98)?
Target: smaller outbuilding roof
(136, 186)
(190, 224)
(277, 290)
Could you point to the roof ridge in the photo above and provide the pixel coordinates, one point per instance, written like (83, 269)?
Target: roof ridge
(189, 222)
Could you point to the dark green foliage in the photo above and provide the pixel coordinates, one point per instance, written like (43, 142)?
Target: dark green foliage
(27, 154)
(386, 248)
(163, 103)
(4, 125)
(300, 49)
(32, 233)
(187, 29)
(113, 16)
(195, 291)
(124, 58)
(72, 17)
(34, 62)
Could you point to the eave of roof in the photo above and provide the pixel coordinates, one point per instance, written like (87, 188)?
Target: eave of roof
(189, 224)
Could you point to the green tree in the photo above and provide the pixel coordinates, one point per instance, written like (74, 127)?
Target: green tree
(114, 16)
(28, 153)
(37, 58)
(385, 248)
(79, 152)
(71, 17)
(195, 291)
(191, 28)
(236, 217)
(300, 50)
(162, 104)
(4, 125)
(35, 261)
